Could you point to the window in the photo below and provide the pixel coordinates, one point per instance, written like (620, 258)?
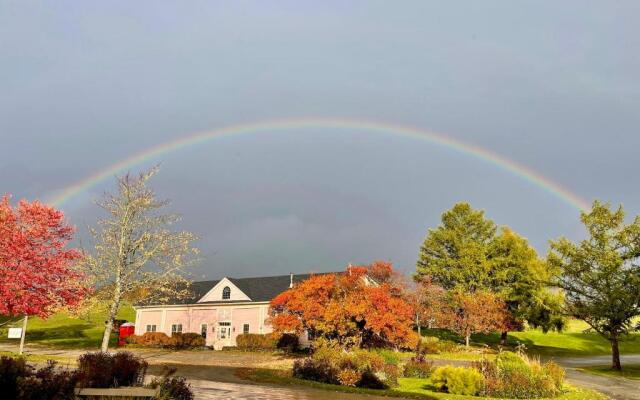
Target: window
(151, 328)
(226, 293)
(176, 328)
(203, 330)
(245, 328)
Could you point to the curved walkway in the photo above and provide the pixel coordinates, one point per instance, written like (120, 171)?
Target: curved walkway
(614, 387)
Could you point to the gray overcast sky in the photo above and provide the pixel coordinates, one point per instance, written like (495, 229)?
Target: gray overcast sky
(553, 85)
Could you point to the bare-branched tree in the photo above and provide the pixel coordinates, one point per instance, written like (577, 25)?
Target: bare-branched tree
(136, 250)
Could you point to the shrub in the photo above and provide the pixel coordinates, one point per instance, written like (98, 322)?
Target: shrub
(389, 375)
(457, 380)
(390, 356)
(11, 369)
(128, 369)
(315, 370)
(349, 377)
(48, 382)
(254, 341)
(370, 380)
(517, 376)
(181, 341)
(171, 387)
(289, 343)
(417, 369)
(104, 370)
(433, 345)
(153, 339)
(133, 339)
(20, 381)
(359, 368)
(175, 388)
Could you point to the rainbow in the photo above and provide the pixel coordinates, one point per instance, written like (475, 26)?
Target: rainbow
(519, 170)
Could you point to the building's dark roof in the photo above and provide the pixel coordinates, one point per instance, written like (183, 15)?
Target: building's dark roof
(197, 289)
(267, 287)
(262, 288)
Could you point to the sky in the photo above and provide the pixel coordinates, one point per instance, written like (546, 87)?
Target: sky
(554, 86)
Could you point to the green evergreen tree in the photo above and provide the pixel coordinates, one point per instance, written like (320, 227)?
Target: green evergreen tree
(467, 252)
(455, 254)
(601, 274)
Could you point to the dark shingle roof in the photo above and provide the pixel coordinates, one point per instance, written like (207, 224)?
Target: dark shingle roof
(197, 289)
(262, 288)
(267, 287)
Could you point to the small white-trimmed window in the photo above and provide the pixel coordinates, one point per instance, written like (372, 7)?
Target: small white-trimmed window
(203, 330)
(226, 293)
(176, 328)
(245, 328)
(151, 328)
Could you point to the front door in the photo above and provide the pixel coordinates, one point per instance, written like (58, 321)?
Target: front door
(224, 334)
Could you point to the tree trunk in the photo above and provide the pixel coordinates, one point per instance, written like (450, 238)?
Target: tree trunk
(466, 340)
(503, 338)
(108, 324)
(418, 325)
(615, 354)
(24, 333)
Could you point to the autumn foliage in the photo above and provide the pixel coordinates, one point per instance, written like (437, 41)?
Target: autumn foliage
(37, 269)
(350, 309)
(462, 312)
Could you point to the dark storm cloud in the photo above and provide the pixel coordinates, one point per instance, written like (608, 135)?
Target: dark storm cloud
(553, 85)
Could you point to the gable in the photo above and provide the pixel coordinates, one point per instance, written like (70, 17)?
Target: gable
(215, 294)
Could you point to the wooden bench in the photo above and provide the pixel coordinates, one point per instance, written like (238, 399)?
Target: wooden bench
(137, 392)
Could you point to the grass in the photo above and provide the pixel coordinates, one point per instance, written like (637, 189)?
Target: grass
(630, 371)
(573, 341)
(62, 330)
(414, 388)
(39, 358)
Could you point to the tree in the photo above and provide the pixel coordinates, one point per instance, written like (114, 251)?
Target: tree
(347, 309)
(136, 249)
(521, 278)
(600, 275)
(455, 254)
(469, 313)
(467, 252)
(39, 273)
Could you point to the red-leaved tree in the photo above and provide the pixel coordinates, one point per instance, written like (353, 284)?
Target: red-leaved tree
(38, 271)
(349, 309)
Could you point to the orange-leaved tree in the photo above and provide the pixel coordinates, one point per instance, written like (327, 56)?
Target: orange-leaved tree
(468, 313)
(349, 309)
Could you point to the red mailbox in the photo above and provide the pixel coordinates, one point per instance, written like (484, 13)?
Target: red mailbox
(126, 329)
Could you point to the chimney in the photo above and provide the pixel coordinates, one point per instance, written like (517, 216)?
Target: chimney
(290, 280)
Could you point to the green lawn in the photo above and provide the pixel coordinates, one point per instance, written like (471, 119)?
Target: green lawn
(37, 358)
(631, 371)
(571, 342)
(408, 387)
(65, 331)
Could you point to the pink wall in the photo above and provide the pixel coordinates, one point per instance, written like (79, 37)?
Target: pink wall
(148, 318)
(176, 317)
(243, 316)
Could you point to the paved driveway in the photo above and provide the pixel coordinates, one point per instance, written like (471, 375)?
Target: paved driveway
(616, 388)
(216, 382)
